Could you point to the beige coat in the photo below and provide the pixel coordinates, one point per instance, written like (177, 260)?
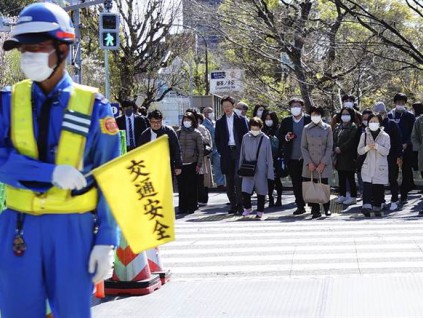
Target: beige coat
(206, 168)
(417, 140)
(316, 147)
(375, 166)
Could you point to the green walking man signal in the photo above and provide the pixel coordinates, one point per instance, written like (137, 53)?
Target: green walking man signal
(109, 31)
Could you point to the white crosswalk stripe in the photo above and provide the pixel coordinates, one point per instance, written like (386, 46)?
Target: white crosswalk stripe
(210, 250)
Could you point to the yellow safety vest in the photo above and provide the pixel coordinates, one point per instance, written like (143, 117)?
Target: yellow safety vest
(70, 151)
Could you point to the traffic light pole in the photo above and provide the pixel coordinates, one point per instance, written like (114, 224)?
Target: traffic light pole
(106, 71)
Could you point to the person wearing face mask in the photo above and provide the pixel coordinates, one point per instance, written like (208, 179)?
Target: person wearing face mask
(375, 144)
(191, 143)
(395, 152)
(259, 111)
(289, 135)
(230, 129)
(241, 110)
(54, 132)
(345, 154)
(348, 101)
(270, 128)
(364, 124)
(405, 120)
(210, 124)
(133, 124)
(156, 130)
(316, 148)
(251, 141)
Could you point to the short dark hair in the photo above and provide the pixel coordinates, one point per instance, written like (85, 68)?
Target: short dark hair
(227, 99)
(256, 122)
(348, 97)
(156, 114)
(379, 117)
(190, 116)
(367, 111)
(192, 110)
(128, 103)
(296, 100)
(400, 96)
(142, 110)
(350, 111)
(199, 116)
(316, 109)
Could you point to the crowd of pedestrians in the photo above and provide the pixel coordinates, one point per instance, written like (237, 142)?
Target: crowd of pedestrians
(367, 151)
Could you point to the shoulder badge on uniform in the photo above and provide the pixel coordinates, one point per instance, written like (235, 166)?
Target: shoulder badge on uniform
(108, 126)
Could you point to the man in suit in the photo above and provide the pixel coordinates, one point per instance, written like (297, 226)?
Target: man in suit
(230, 129)
(289, 137)
(133, 124)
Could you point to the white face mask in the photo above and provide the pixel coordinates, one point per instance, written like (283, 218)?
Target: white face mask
(316, 119)
(346, 118)
(35, 66)
(211, 116)
(349, 104)
(269, 123)
(255, 132)
(259, 113)
(373, 126)
(365, 123)
(296, 111)
(237, 111)
(187, 124)
(400, 108)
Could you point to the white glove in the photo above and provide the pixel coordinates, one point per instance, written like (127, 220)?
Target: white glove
(68, 178)
(101, 262)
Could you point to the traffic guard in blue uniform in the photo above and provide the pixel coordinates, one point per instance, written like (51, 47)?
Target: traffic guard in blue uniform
(57, 234)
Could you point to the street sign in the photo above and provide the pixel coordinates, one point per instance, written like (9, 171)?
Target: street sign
(226, 81)
(115, 109)
(109, 31)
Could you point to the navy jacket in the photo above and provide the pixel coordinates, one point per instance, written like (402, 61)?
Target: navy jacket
(394, 132)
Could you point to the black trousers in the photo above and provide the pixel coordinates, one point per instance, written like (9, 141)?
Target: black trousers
(407, 174)
(295, 170)
(274, 184)
(234, 182)
(247, 201)
(187, 186)
(203, 192)
(373, 194)
(393, 179)
(315, 207)
(343, 176)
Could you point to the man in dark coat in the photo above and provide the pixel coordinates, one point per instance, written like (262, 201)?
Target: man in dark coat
(133, 124)
(156, 130)
(230, 129)
(290, 147)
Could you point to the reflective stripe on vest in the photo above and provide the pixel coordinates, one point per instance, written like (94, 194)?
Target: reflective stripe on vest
(70, 151)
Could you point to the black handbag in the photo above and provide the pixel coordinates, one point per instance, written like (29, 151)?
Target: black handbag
(207, 150)
(361, 158)
(248, 168)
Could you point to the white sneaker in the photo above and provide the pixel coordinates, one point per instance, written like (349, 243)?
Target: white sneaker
(246, 212)
(350, 201)
(341, 199)
(394, 206)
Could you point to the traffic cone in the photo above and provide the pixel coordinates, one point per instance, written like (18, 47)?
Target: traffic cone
(156, 265)
(131, 274)
(99, 290)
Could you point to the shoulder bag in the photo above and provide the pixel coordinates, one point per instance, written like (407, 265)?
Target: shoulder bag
(248, 168)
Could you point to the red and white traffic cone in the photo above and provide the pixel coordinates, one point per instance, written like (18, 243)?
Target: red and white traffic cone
(131, 274)
(156, 265)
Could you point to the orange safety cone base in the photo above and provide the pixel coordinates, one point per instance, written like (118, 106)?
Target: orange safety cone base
(164, 276)
(142, 287)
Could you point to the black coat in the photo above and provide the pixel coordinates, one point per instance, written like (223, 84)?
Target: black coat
(345, 137)
(140, 124)
(174, 147)
(221, 139)
(394, 132)
(287, 125)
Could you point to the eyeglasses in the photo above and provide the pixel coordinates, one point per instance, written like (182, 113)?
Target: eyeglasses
(155, 122)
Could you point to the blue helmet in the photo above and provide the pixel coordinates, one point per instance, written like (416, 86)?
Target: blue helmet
(39, 22)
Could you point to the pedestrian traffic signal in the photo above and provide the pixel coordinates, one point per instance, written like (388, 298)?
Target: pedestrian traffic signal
(109, 31)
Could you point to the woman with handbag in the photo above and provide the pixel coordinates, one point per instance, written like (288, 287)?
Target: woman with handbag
(345, 152)
(192, 150)
(375, 144)
(316, 148)
(270, 128)
(256, 166)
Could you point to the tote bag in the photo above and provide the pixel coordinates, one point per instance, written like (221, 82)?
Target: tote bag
(316, 192)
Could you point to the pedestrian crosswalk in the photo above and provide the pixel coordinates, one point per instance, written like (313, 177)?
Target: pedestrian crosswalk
(212, 250)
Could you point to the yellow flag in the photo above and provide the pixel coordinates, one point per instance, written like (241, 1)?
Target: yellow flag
(138, 189)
